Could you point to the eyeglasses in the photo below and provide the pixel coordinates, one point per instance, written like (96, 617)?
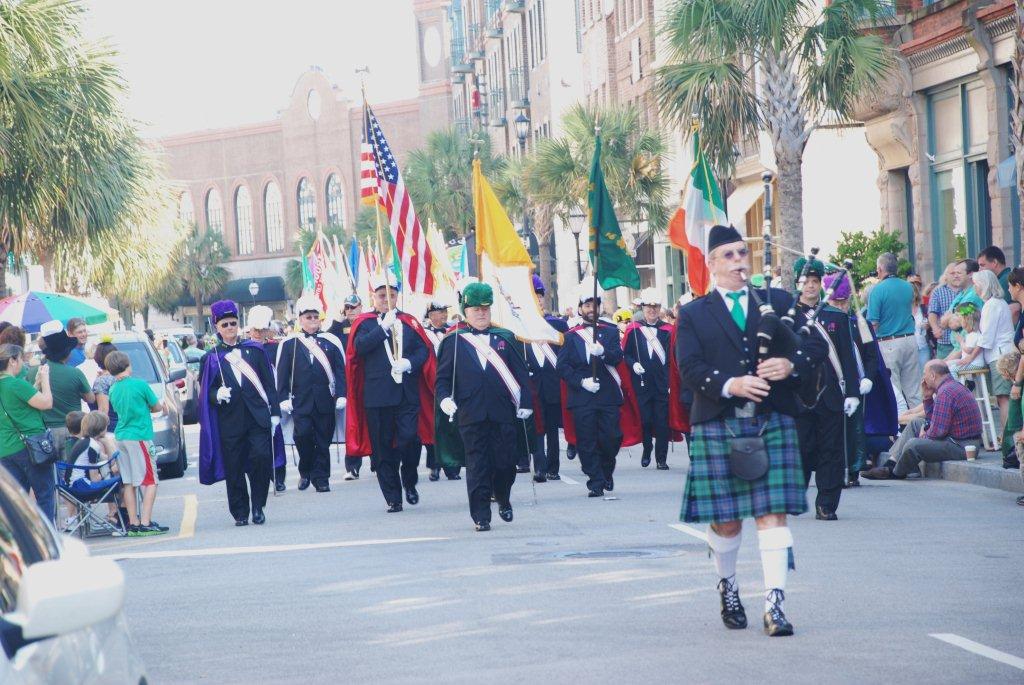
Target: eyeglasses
(741, 253)
(227, 324)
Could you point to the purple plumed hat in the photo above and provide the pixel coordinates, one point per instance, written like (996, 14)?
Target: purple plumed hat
(223, 309)
(538, 285)
(842, 289)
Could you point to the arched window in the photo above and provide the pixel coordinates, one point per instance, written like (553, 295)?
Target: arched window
(243, 220)
(334, 199)
(186, 212)
(214, 211)
(274, 217)
(307, 204)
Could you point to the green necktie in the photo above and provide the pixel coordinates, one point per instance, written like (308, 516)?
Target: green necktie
(737, 311)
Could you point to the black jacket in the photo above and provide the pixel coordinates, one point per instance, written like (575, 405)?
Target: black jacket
(573, 367)
(481, 394)
(379, 388)
(824, 380)
(655, 378)
(711, 349)
(244, 399)
(311, 388)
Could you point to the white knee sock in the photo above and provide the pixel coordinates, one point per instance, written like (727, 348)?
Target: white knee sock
(774, 544)
(725, 550)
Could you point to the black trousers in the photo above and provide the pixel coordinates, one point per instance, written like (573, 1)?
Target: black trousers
(396, 448)
(546, 447)
(654, 416)
(353, 463)
(598, 439)
(490, 465)
(280, 472)
(313, 435)
(820, 432)
(434, 463)
(247, 451)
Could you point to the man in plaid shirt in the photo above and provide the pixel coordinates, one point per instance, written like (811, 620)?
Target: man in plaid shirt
(952, 421)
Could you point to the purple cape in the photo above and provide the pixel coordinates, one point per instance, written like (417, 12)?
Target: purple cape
(211, 464)
(881, 416)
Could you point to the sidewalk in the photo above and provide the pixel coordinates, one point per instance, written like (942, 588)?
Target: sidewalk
(987, 471)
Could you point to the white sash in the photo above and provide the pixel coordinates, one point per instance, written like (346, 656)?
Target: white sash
(243, 367)
(654, 346)
(543, 351)
(318, 353)
(434, 338)
(588, 336)
(483, 346)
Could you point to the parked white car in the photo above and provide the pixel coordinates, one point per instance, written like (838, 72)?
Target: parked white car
(60, 610)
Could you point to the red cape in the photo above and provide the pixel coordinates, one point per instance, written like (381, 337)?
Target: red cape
(357, 433)
(629, 412)
(678, 415)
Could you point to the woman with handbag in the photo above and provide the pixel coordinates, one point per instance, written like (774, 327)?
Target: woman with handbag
(26, 446)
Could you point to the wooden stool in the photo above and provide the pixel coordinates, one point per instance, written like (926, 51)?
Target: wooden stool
(981, 396)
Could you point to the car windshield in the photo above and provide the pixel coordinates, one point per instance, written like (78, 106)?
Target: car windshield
(142, 362)
(175, 351)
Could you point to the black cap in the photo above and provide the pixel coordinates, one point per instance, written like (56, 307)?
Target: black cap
(722, 235)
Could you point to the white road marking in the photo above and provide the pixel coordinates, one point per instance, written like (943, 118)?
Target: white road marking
(980, 649)
(262, 549)
(689, 530)
(570, 481)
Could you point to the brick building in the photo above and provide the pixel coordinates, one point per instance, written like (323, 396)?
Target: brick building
(257, 184)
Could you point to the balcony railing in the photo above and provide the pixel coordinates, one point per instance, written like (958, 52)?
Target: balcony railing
(474, 42)
(496, 100)
(460, 61)
(518, 6)
(518, 88)
(463, 126)
(492, 9)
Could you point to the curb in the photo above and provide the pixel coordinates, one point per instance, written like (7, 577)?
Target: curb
(987, 471)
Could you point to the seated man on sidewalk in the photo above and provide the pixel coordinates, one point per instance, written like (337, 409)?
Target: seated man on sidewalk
(952, 421)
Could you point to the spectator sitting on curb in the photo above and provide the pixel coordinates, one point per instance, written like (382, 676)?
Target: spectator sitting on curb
(1007, 368)
(952, 422)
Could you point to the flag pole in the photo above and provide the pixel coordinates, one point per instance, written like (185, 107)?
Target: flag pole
(595, 236)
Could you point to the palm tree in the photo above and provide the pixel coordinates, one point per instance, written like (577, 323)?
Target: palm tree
(201, 256)
(1017, 85)
(812, 62)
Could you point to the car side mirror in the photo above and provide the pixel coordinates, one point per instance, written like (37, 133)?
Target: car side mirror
(177, 374)
(61, 596)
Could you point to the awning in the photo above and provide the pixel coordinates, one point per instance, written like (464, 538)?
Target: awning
(742, 199)
(271, 290)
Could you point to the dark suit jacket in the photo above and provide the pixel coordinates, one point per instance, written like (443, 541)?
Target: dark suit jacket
(311, 390)
(656, 372)
(573, 367)
(838, 326)
(711, 349)
(379, 388)
(245, 398)
(480, 393)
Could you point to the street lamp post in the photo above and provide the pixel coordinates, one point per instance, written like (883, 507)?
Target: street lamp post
(254, 289)
(576, 226)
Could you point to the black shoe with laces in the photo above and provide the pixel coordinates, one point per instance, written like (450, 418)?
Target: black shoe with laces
(554, 476)
(645, 460)
(733, 615)
(435, 474)
(775, 622)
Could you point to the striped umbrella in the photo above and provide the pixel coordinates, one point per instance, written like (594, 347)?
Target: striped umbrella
(32, 309)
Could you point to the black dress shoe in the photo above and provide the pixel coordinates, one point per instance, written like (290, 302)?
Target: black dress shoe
(280, 486)
(303, 483)
(435, 474)
(733, 615)
(395, 508)
(411, 496)
(662, 466)
(505, 513)
(554, 476)
(877, 473)
(1020, 501)
(853, 482)
(241, 522)
(609, 484)
(823, 514)
(482, 527)
(775, 622)
(540, 478)
(258, 517)
(455, 477)
(1011, 462)
(596, 492)
(322, 487)
(522, 469)
(570, 452)
(645, 460)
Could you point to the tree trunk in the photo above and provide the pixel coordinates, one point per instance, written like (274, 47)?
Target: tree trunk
(791, 212)
(1017, 134)
(544, 229)
(3, 276)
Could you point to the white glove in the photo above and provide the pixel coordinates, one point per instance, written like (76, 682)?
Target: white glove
(340, 403)
(286, 406)
(223, 394)
(401, 365)
(596, 349)
(448, 406)
(524, 413)
(389, 320)
(850, 405)
(638, 369)
(275, 421)
(590, 385)
(865, 386)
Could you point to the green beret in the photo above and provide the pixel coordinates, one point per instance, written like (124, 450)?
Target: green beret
(477, 295)
(816, 268)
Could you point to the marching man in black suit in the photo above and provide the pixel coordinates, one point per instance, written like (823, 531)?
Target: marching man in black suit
(541, 359)
(738, 396)
(311, 379)
(483, 383)
(647, 348)
(435, 327)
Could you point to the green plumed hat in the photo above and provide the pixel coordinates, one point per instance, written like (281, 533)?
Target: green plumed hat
(477, 295)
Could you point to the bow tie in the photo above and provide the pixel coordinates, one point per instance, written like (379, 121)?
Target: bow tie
(652, 325)
(474, 331)
(309, 335)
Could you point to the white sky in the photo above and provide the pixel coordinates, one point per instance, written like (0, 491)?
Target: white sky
(195, 64)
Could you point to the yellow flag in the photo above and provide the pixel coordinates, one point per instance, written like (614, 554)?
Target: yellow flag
(495, 235)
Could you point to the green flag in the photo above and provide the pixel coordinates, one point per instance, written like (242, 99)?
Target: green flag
(613, 267)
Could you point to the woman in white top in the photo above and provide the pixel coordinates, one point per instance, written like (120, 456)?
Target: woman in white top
(996, 337)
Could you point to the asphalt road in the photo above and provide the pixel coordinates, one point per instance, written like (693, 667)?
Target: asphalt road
(332, 589)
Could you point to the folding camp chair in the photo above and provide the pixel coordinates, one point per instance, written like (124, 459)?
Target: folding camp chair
(84, 495)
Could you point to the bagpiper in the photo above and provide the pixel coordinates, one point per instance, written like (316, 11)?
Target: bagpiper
(311, 379)
(435, 327)
(391, 366)
(483, 384)
(744, 460)
(238, 415)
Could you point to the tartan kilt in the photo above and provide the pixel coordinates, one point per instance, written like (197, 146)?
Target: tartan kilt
(714, 495)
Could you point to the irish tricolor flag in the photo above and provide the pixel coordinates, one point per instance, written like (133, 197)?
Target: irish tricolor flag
(701, 209)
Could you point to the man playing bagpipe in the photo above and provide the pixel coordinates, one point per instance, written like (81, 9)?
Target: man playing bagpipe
(600, 414)
(391, 366)
(311, 379)
(483, 384)
(238, 416)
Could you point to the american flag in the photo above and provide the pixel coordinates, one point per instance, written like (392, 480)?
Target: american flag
(379, 175)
